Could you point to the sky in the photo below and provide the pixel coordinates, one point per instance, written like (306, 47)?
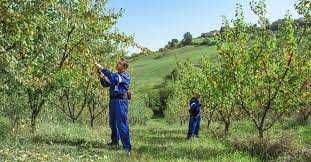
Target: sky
(154, 22)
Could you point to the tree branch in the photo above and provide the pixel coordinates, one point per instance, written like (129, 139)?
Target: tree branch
(65, 53)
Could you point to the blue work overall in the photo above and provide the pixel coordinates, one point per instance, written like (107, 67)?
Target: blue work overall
(195, 118)
(118, 84)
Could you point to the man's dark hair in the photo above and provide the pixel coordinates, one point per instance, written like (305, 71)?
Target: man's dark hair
(125, 63)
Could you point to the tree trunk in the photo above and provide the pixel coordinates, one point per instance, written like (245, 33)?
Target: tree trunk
(226, 128)
(209, 121)
(210, 118)
(15, 124)
(33, 121)
(260, 132)
(73, 120)
(181, 121)
(92, 122)
(36, 102)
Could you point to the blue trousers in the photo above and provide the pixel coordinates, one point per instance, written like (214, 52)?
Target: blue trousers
(118, 122)
(194, 125)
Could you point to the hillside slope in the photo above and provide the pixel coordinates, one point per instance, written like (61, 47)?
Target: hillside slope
(148, 71)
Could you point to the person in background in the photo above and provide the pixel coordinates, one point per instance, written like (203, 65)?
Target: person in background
(195, 118)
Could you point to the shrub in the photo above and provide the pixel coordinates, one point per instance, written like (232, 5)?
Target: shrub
(187, 39)
(269, 148)
(208, 42)
(138, 112)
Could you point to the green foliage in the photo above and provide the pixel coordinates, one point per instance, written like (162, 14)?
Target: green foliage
(174, 41)
(260, 72)
(139, 114)
(152, 99)
(171, 44)
(208, 42)
(156, 99)
(47, 52)
(177, 104)
(47, 46)
(187, 40)
(267, 73)
(303, 8)
(12, 102)
(214, 85)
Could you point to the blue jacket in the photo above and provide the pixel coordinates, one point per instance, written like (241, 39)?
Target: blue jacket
(194, 107)
(118, 83)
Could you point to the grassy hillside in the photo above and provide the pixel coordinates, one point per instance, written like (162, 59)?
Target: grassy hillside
(149, 71)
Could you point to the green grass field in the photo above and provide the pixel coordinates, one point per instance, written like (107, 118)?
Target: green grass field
(155, 141)
(150, 70)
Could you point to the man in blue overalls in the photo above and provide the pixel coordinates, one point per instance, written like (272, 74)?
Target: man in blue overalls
(195, 118)
(118, 84)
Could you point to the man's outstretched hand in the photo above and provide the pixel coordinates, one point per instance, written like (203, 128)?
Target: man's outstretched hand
(98, 66)
(98, 69)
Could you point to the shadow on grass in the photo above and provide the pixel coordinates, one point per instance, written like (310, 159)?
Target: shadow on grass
(169, 152)
(163, 144)
(156, 140)
(172, 144)
(160, 136)
(77, 142)
(162, 132)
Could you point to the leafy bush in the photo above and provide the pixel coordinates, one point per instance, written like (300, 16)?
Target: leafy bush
(187, 40)
(268, 148)
(138, 112)
(152, 101)
(156, 99)
(208, 42)
(177, 105)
